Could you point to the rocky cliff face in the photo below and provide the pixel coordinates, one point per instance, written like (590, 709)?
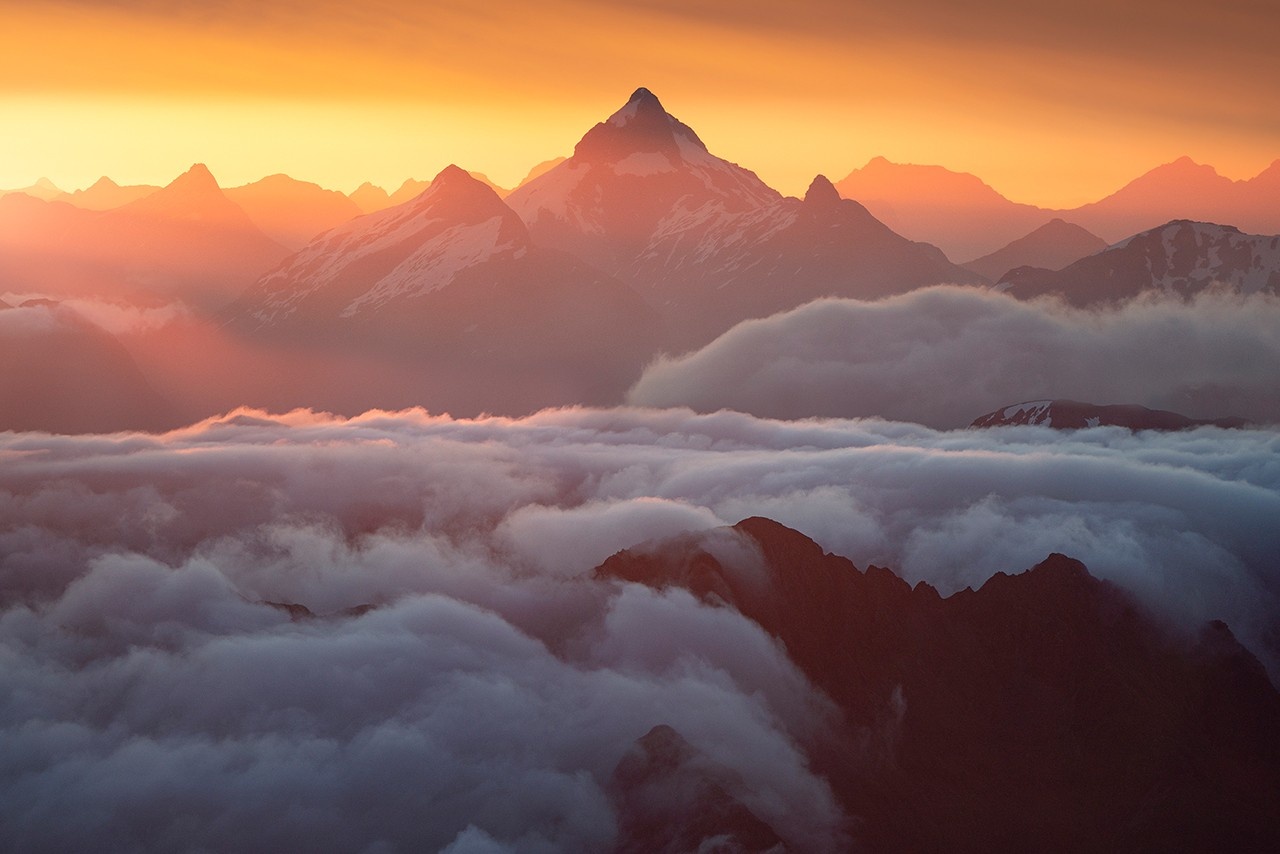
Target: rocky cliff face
(1045, 711)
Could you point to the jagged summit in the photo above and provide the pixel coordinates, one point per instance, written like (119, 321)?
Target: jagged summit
(821, 193)
(452, 174)
(640, 126)
(198, 177)
(641, 102)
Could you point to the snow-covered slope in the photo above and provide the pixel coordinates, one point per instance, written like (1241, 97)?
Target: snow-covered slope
(712, 268)
(1074, 415)
(1180, 257)
(452, 281)
(629, 178)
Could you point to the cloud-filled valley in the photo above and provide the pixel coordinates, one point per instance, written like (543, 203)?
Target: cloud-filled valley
(942, 356)
(496, 684)
(634, 510)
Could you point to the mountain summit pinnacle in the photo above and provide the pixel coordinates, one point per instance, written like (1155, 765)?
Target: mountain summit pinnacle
(821, 193)
(642, 104)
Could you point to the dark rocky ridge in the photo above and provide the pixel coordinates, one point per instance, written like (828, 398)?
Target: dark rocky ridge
(1074, 415)
(1045, 711)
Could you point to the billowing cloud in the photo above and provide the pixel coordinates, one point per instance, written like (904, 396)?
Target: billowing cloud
(943, 356)
(146, 684)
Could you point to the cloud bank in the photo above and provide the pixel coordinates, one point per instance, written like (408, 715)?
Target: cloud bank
(144, 682)
(943, 356)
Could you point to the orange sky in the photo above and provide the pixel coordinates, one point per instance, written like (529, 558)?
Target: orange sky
(1052, 102)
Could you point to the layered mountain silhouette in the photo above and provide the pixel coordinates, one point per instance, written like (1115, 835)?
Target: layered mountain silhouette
(709, 269)
(1188, 190)
(955, 211)
(1052, 246)
(627, 180)
(291, 212)
(966, 218)
(1043, 712)
(106, 194)
(63, 374)
(41, 189)
(1074, 415)
(452, 280)
(186, 241)
(369, 197)
(1180, 257)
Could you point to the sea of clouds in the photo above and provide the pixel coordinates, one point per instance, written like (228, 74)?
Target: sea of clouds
(943, 356)
(150, 697)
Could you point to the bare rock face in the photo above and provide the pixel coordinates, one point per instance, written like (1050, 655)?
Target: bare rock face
(673, 799)
(1045, 711)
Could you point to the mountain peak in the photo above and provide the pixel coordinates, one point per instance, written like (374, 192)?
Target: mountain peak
(458, 190)
(641, 126)
(197, 178)
(642, 102)
(821, 193)
(45, 184)
(450, 174)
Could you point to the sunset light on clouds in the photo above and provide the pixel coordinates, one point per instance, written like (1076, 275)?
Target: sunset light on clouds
(1053, 103)
(649, 427)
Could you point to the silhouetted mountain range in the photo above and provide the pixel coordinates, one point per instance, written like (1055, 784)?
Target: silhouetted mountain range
(1052, 246)
(1043, 712)
(966, 218)
(186, 241)
(292, 212)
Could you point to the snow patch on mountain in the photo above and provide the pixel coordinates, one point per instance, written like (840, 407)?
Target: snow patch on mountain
(435, 264)
(643, 163)
(1029, 412)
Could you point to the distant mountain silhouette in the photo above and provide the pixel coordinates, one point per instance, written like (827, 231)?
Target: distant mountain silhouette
(106, 194)
(955, 211)
(1179, 257)
(185, 241)
(43, 189)
(63, 374)
(966, 218)
(1043, 712)
(452, 280)
(1074, 415)
(1188, 190)
(541, 169)
(292, 212)
(412, 188)
(1052, 246)
(369, 198)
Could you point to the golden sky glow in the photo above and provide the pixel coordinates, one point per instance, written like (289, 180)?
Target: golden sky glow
(1056, 104)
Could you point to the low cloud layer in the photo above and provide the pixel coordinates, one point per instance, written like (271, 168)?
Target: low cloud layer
(484, 705)
(943, 356)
